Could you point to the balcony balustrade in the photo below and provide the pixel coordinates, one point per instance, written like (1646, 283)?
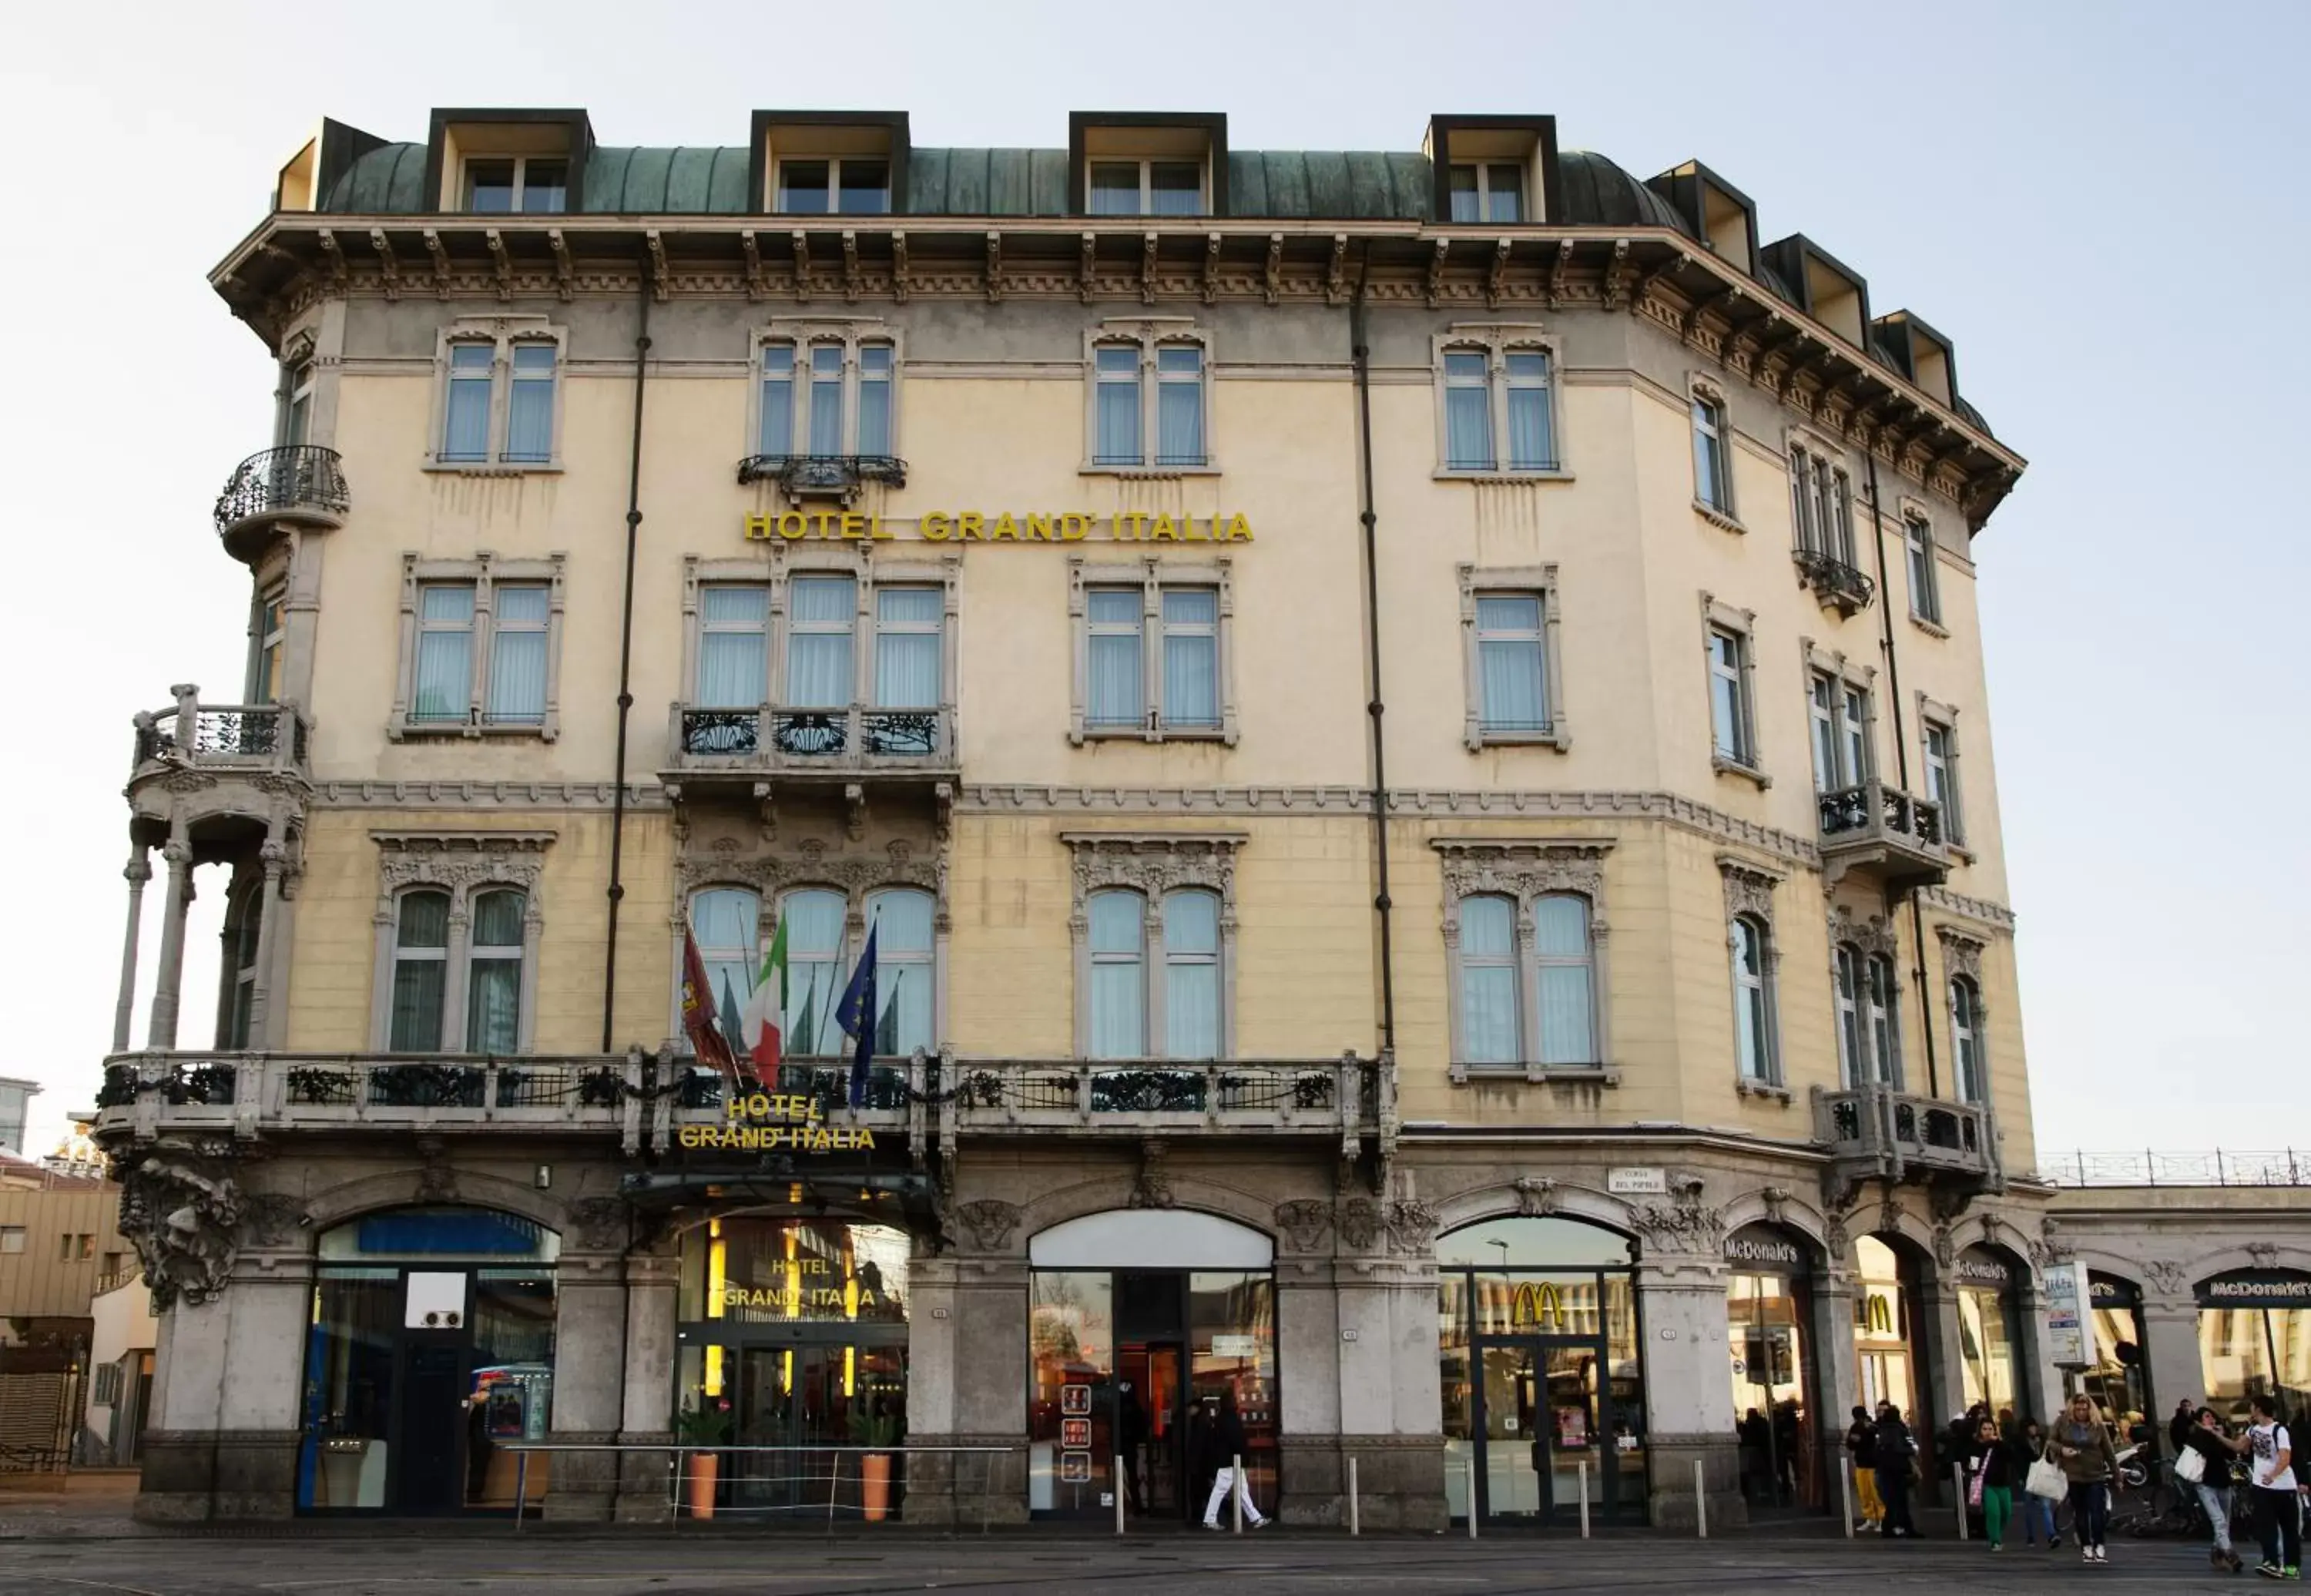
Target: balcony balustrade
(220, 737)
(301, 484)
(1875, 1131)
(823, 476)
(1882, 829)
(1839, 586)
(850, 740)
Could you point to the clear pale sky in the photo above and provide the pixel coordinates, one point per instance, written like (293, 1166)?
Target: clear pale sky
(2102, 205)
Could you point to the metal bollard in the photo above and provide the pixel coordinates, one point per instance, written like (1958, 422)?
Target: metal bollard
(1472, 1498)
(520, 1488)
(680, 1473)
(1700, 1502)
(1117, 1481)
(833, 1488)
(1845, 1493)
(1236, 1489)
(1958, 1478)
(1355, 1516)
(1585, 1498)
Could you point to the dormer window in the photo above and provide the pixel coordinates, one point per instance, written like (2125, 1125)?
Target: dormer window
(517, 185)
(1487, 191)
(846, 186)
(830, 163)
(1147, 163)
(1146, 188)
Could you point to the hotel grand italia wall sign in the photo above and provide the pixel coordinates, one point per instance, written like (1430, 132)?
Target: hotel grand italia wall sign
(979, 525)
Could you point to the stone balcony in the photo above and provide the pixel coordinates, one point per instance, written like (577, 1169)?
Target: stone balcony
(1876, 1132)
(1885, 832)
(302, 484)
(1839, 586)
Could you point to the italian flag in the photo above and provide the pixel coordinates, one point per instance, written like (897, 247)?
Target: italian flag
(766, 1005)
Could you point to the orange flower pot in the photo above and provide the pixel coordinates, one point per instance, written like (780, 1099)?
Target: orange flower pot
(875, 1486)
(703, 1468)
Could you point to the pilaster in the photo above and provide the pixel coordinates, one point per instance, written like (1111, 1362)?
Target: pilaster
(1688, 1390)
(646, 1398)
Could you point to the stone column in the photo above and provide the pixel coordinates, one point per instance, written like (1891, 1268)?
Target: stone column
(646, 1402)
(589, 1344)
(1837, 1382)
(1688, 1389)
(139, 871)
(168, 991)
(226, 1425)
(2170, 1342)
(1391, 1404)
(1312, 1464)
(990, 1388)
(275, 857)
(932, 1358)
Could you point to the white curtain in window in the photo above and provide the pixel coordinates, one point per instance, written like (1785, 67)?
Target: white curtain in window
(1966, 1032)
(907, 623)
(1560, 935)
(778, 400)
(1530, 447)
(1749, 1024)
(421, 945)
(1510, 662)
(529, 414)
(518, 656)
(1488, 982)
(1116, 682)
(902, 921)
(1468, 413)
(1191, 974)
(815, 973)
(466, 428)
(821, 610)
(1119, 984)
(1191, 688)
(732, 641)
(1179, 407)
(445, 654)
(493, 992)
(1118, 419)
(1885, 1054)
(826, 399)
(726, 922)
(874, 399)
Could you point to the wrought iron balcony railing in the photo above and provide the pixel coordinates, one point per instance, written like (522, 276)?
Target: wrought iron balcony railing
(1834, 581)
(2289, 1166)
(267, 735)
(1338, 1096)
(823, 476)
(1875, 1130)
(1873, 826)
(302, 481)
(856, 737)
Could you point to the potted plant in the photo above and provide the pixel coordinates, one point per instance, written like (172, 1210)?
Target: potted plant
(706, 1424)
(875, 1430)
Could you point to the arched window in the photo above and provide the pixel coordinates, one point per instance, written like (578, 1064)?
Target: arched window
(494, 981)
(1119, 976)
(1753, 1001)
(1882, 992)
(244, 908)
(421, 955)
(813, 918)
(1851, 1060)
(1490, 1032)
(728, 922)
(1564, 979)
(1966, 1038)
(903, 920)
(1191, 974)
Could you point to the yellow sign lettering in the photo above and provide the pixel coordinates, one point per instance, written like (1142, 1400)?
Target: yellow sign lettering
(1002, 526)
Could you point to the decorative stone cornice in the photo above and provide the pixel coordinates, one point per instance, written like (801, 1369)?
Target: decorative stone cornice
(1961, 953)
(459, 859)
(1997, 916)
(1154, 863)
(1749, 886)
(1871, 936)
(1522, 868)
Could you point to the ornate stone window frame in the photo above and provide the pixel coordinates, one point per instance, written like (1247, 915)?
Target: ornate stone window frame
(483, 573)
(1742, 625)
(1813, 660)
(1962, 957)
(851, 333)
(500, 333)
(1147, 335)
(1152, 864)
(776, 573)
(1520, 581)
(1526, 869)
(1803, 446)
(1702, 389)
(1874, 937)
(464, 864)
(1496, 341)
(1915, 511)
(1151, 575)
(1749, 888)
(1944, 718)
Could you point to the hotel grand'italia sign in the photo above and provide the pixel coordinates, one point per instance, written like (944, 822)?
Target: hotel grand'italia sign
(1004, 526)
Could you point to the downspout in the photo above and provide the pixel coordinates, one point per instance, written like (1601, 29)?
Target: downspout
(625, 662)
(1360, 357)
(1902, 774)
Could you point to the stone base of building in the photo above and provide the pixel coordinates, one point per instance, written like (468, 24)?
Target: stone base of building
(966, 1489)
(644, 1488)
(1674, 1505)
(1399, 1480)
(198, 1476)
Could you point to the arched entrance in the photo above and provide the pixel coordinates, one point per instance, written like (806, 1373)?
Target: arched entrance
(1542, 1371)
(2118, 1380)
(1769, 1333)
(431, 1341)
(2255, 1339)
(1993, 1369)
(1135, 1316)
(1888, 1327)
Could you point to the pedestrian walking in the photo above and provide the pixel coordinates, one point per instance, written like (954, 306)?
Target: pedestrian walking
(2081, 1445)
(2270, 1452)
(2203, 1464)
(1224, 1436)
(1896, 1465)
(2185, 1420)
(1992, 1488)
(2037, 1511)
(1862, 1446)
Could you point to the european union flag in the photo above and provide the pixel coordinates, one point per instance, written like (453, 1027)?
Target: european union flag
(856, 1016)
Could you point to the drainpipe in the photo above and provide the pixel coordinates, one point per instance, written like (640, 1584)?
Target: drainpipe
(625, 662)
(1902, 774)
(1360, 356)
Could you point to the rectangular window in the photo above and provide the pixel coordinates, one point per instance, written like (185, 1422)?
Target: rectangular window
(826, 398)
(265, 676)
(490, 186)
(1853, 715)
(11, 1238)
(1117, 413)
(466, 425)
(1118, 980)
(1192, 657)
(529, 407)
(1487, 191)
(1710, 482)
(1511, 664)
(804, 188)
(1729, 696)
(1566, 980)
(822, 612)
(445, 654)
(1114, 188)
(1822, 703)
(525, 185)
(733, 647)
(1941, 778)
(908, 646)
(518, 656)
(777, 431)
(1468, 413)
(1532, 445)
(1490, 1032)
(1191, 974)
(1926, 591)
(1179, 405)
(1146, 188)
(1117, 681)
(1840, 491)
(853, 186)
(421, 953)
(545, 188)
(298, 421)
(875, 364)
(1176, 188)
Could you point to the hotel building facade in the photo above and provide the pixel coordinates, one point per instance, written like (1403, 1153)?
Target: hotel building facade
(1408, 729)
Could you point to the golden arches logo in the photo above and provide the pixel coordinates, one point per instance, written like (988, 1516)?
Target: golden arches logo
(1876, 1315)
(1538, 1303)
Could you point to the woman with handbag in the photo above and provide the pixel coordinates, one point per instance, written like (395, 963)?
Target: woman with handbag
(2089, 1462)
(2045, 1481)
(1992, 1490)
(2038, 1509)
(2203, 1462)
(1896, 1467)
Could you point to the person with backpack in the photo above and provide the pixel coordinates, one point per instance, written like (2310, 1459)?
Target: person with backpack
(2278, 1524)
(1992, 1465)
(2081, 1445)
(1862, 1446)
(1897, 1455)
(2209, 1479)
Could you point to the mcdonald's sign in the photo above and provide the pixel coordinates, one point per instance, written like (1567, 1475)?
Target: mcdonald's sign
(1877, 1312)
(1877, 1316)
(1538, 1304)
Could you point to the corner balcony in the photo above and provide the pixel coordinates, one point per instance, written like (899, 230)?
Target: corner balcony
(856, 746)
(301, 485)
(1876, 1132)
(838, 477)
(219, 768)
(1885, 832)
(1839, 586)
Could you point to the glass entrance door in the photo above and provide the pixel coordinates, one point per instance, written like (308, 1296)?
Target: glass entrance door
(817, 1400)
(1541, 1410)
(1151, 1412)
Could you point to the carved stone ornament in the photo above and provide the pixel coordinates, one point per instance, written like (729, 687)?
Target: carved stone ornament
(1748, 889)
(1536, 1197)
(1304, 1221)
(1523, 870)
(1871, 936)
(724, 862)
(1961, 953)
(2167, 1277)
(1155, 863)
(1776, 1200)
(182, 1211)
(2265, 1254)
(1945, 1245)
(1836, 1239)
(989, 1222)
(454, 859)
(1411, 1226)
(1358, 1219)
(1153, 1188)
(598, 1224)
(1686, 1226)
(269, 1218)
